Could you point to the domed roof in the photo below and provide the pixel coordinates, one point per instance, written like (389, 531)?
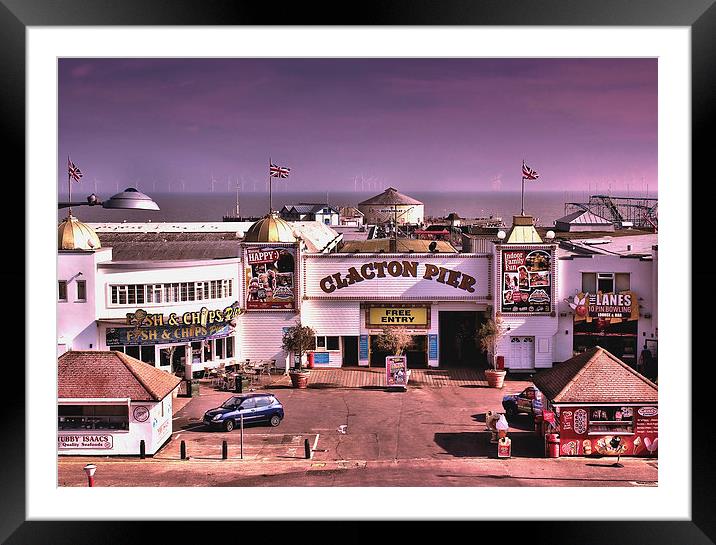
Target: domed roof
(72, 234)
(270, 228)
(390, 196)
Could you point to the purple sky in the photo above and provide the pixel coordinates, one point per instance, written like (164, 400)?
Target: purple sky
(416, 124)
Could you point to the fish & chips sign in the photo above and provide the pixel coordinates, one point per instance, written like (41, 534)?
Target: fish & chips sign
(189, 326)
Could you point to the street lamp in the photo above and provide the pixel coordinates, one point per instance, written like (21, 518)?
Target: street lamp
(130, 198)
(90, 469)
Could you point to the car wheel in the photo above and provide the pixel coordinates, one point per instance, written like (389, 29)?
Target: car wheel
(229, 425)
(275, 420)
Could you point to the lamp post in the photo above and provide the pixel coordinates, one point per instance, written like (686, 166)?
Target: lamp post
(90, 469)
(130, 198)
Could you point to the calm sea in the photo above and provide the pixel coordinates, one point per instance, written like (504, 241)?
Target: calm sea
(546, 206)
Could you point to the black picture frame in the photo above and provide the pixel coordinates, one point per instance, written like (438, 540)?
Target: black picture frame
(698, 15)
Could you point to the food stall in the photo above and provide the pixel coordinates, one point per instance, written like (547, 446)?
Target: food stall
(602, 406)
(108, 403)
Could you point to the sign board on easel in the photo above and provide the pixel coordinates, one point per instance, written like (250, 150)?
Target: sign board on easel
(396, 372)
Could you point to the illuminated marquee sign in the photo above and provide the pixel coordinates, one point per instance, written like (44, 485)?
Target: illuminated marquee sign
(203, 317)
(614, 306)
(398, 316)
(190, 326)
(397, 269)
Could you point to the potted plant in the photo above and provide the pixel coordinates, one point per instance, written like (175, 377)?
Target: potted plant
(393, 340)
(298, 340)
(490, 333)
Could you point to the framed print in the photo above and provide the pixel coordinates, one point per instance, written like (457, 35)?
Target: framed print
(674, 508)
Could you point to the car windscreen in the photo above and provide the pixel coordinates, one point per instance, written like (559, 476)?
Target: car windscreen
(229, 403)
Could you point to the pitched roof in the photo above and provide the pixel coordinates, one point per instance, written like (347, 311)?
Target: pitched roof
(595, 376)
(306, 208)
(403, 245)
(390, 196)
(109, 374)
(583, 217)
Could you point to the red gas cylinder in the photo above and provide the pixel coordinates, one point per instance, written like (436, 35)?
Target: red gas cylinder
(309, 363)
(552, 445)
(500, 362)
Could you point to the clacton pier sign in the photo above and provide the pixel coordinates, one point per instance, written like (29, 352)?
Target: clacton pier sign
(414, 277)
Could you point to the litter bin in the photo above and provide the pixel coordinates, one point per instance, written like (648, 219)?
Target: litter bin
(194, 388)
(311, 360)
(504, 447)
(242, 382)
(500, 362)
(552, 445)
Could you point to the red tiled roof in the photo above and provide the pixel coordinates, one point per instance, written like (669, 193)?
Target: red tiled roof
(109, 374)
(595, 376)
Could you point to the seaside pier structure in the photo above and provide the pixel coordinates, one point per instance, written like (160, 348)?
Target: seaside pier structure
(638, 212)
(188, 296)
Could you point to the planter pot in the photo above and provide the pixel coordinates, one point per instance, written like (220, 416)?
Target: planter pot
(495, 378)
(299, 379)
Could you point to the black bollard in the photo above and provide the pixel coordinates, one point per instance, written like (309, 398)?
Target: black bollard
(142, 449)
(182, 449)
(307, 447)
(239, 386)
(188, 387)
(224, 450)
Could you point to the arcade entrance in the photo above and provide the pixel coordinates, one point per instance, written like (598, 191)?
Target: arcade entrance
(459, 345)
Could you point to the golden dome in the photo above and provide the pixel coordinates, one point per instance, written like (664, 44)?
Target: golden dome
(271, 228)
(72, 234)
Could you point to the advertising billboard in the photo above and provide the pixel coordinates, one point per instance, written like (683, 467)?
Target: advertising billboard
(270, 277)
(526, 280)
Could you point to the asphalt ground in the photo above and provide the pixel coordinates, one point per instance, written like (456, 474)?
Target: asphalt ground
(364, 436)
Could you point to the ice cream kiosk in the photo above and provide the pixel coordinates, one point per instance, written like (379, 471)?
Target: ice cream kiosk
(602, 406)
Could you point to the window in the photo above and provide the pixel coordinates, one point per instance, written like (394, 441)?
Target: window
(249, 403)
(328, 343)
(262, 402)
(154, 293)
(93, 417)
(219, 348)
(81, 290)
(605, 282)
(137, 294)
(208, 350)
(62, 290)
(132, 351)
(613, 420)
(229, 347)
(622, 281)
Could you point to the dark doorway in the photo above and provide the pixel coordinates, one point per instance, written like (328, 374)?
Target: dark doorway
(417, 353)
(350, 350)
(459, 345)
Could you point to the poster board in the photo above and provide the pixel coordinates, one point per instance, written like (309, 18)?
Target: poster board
(396, 371)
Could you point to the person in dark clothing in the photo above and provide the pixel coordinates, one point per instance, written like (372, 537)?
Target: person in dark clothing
(647, 364)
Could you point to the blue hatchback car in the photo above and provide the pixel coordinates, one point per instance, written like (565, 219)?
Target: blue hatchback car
(257, 407)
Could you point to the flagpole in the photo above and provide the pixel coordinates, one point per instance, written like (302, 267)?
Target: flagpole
(270, 196)
(523, 197)
(69, 185)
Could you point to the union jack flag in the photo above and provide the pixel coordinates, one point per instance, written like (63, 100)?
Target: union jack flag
(528, 173)
(279, 172)
(74, 172)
